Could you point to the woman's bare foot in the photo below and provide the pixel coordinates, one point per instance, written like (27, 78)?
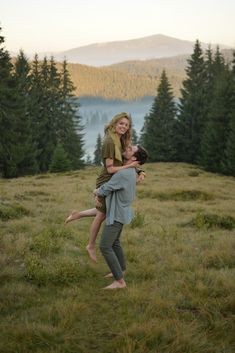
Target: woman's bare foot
(74, 215)
(110, 275)
(117, 285)
(91, 253)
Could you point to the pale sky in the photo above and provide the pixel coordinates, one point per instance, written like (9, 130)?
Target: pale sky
(57, 25)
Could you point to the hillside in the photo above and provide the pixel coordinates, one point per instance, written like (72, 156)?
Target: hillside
(155, 46)
(132, 79)
(111, 84)
(180, 266)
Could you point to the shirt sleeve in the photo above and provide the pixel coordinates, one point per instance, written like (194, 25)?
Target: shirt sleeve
(108, 149)
(114, 184)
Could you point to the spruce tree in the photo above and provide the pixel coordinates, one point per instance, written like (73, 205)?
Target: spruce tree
(26, 147)
(71, 135)
(60, 161)
(47, 125)
(229, 164)
(159, 128)
(217, 129)
(46, 96)
(134, 139)
(9, 155)
(40, 108)
(213, 144)
(192, 108)
(98, 153)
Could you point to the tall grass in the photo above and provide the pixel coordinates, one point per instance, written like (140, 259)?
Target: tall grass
(180, 267)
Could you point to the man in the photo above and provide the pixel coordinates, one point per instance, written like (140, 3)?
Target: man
(119, 192)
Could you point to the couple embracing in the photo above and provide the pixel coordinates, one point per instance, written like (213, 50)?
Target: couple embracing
(114, 193)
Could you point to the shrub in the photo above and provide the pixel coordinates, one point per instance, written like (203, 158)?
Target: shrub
(63, 271)
(206, 220)
(49, 240)
(138, 220)
(12, 211)
(177, 195)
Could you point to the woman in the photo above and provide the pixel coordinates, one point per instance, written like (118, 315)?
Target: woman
(117, 138)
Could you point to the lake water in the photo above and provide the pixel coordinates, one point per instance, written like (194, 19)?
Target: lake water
(97, 112)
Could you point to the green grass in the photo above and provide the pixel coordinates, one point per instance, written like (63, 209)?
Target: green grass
(180, 267)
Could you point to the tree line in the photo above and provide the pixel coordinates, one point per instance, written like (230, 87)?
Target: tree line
(200, 129)
(40, 128)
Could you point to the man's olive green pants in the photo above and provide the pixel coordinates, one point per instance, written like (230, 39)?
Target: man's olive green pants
(111, 249)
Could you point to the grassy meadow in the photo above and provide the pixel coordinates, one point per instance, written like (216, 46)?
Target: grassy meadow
(180, 252)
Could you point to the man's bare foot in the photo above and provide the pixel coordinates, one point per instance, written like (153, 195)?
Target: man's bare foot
(91, 253)
(74, 215)
(117, 285)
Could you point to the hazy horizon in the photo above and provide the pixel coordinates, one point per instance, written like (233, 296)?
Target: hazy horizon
(58, 26)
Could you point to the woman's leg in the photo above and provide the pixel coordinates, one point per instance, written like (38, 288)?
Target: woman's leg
(77, 215)
(95, 227)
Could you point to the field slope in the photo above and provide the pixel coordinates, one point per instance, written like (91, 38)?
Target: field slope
(180, 267)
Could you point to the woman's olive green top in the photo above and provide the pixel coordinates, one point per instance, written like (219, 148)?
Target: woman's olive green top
(108, 151)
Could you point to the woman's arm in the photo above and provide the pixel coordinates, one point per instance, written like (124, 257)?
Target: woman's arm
(111, 169)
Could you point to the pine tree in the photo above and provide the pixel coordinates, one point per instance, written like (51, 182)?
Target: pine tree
(97, 153)
(8, 118)
(210, 75)
(47, 123)
(26, 147)
(217, 129)
(159, 128)
(220, 108)
(60, 161)
(40, 107)
(229, 165)
(71, 135)
(192, 109)
(134, 139)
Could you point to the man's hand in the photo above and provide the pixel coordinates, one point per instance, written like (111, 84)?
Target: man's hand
(96, 197)
(141, 177)
(95, 192)
(97, 202)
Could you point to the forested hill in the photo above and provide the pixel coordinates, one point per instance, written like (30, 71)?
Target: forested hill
(110, 83)
(126, 81)
(130, 80)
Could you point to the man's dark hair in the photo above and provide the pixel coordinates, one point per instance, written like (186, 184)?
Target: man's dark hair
(141, 155)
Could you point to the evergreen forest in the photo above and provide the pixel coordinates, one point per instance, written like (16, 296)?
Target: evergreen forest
(200, 129)
(40, 125)
(41, 128)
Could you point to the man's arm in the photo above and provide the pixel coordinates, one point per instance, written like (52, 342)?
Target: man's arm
(114, 184)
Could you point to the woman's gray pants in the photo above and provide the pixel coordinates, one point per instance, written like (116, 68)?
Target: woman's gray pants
(111, 249)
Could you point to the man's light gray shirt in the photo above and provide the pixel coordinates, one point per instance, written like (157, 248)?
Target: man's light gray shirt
(119, 192)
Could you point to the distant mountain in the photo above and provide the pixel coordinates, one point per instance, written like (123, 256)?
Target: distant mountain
(151, 47)
(131, 79)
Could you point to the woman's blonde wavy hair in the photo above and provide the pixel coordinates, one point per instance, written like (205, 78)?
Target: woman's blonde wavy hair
(126, 138)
